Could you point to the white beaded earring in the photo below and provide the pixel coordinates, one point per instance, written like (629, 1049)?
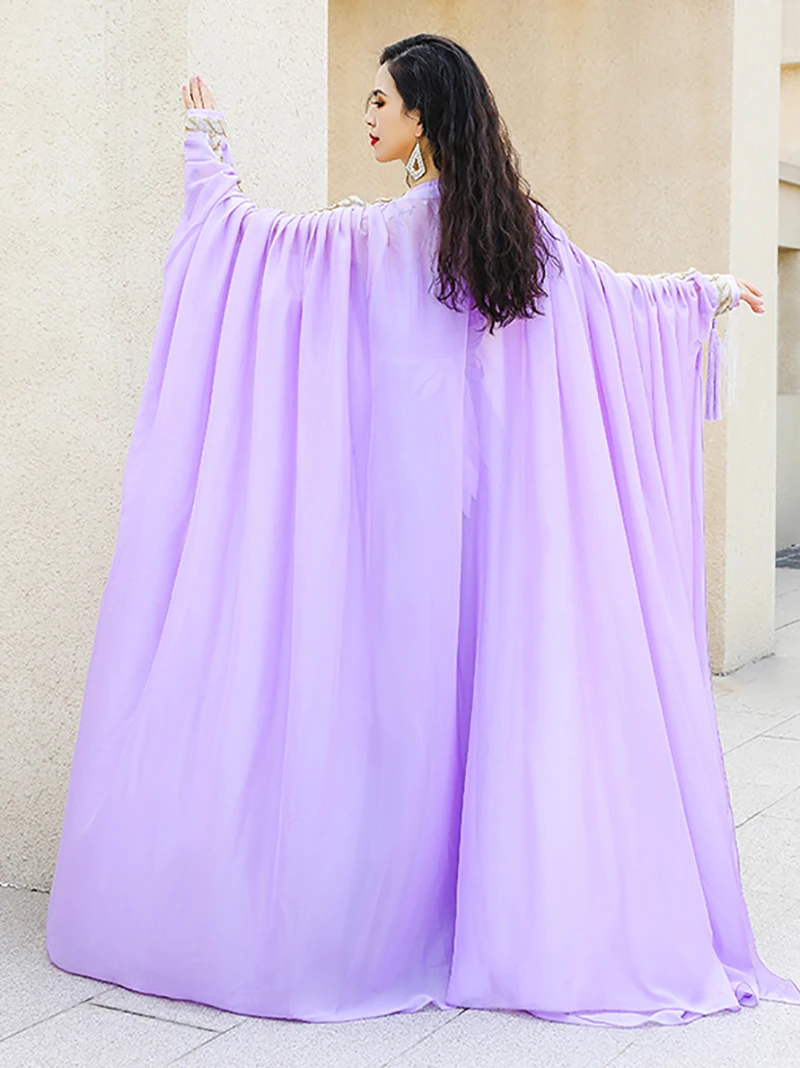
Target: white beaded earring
(416, 164)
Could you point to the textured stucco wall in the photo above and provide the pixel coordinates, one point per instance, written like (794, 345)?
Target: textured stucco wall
(92, 178)
(267, 64)
(742, 590)
(620, 112)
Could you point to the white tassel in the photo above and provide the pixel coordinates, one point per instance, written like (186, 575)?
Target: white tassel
(722, 363)
(730, 346)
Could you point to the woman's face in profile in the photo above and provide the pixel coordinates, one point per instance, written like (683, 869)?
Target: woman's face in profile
(396, 132)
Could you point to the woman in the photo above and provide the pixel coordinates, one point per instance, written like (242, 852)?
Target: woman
(400, 690)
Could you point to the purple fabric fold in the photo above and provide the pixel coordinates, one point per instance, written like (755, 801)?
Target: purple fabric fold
(400, 689)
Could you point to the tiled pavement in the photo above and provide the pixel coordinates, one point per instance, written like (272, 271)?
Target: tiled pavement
(50, 1019)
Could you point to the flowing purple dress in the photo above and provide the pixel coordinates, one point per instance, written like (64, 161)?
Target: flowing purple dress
(400, 690)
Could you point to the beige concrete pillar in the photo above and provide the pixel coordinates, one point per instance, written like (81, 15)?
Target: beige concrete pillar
(742, 459)
(787, 527)
(93, 183)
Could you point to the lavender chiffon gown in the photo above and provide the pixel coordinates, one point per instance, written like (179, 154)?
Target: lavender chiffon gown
(400, 689)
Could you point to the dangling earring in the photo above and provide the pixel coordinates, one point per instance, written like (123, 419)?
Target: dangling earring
(416, 164)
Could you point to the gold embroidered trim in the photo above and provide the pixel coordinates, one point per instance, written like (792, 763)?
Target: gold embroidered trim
(216, 133)
(676, 274)
(213, 128)
(728, 289)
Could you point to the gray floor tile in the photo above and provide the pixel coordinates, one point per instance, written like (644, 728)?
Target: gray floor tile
(261, 1043)
(787, 579)
(185, 1012)
(771, 683)
(758, 696)
(779, 946)
(760, 772)
(788, 808)
(769, 856)
(740, 725)
(89, 1036)
(789, 728)
(766, 1035)
(787, 606)
(31, 987)
(766, 759)
(787, 639)
(484, 1039)
(767, 908)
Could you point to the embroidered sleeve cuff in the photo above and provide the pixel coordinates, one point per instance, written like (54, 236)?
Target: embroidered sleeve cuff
(211, 123)
(727, 290)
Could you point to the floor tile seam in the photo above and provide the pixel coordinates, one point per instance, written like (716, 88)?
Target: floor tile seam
(619, 1053)
(194, 1049)
(765, 734)
(761, 811)
(720, 702)
(161, 1019)
(45, 1019)
(418, 1042)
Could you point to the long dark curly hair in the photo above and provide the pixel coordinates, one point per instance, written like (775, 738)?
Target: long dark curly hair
(491, 243)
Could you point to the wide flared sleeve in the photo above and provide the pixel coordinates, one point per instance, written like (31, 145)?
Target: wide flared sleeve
(688, 302)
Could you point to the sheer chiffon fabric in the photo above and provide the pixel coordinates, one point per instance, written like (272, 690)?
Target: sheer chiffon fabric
(400, 689)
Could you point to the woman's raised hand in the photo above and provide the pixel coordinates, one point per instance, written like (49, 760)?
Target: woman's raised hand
(750, 295)
(198, 95)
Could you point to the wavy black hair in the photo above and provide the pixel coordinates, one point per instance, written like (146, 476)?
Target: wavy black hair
(491, 243)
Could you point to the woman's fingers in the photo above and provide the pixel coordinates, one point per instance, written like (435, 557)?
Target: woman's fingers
(192, 94)
(750, 295)
(197, 94)
(208, 96)
(752, 289)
